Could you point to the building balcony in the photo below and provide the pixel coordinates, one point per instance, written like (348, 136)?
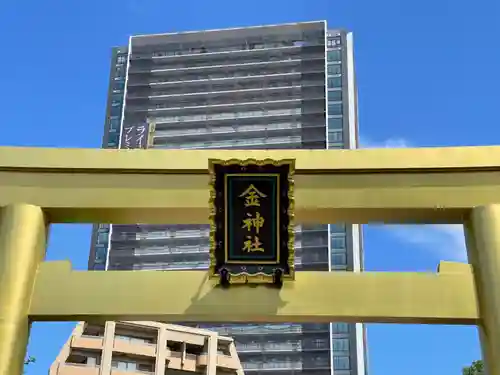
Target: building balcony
(230, 133)
(284, 366)
(214, 70)
(153, 236)
(162, 251)
(178, 361)
(240, 143)
(244, 52)
(219, 88)
(145, 265)
(277, 62)
(269, 348)
(272, 366)
(229, 118)
(87, 342)
(224, 361)
(210, 109)
(270, 330)
(195, 75)
(222, 98)
(175, 243)
(130, 347)
(177, 246)
(115, 371)
(74, 369)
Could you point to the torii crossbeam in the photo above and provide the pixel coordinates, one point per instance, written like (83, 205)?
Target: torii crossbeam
(435, 185)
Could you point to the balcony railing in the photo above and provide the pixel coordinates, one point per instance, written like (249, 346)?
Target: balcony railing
(269, 329)
(272, 366)
(290, 126)
(215, 90)
(219, 78)
(232, 144)
(228, 115)
(245, 48)
(274, 347)
(236, 67)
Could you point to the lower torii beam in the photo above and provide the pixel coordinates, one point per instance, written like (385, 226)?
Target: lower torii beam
(446, 297)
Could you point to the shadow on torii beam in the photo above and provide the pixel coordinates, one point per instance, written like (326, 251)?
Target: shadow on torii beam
(446, 297)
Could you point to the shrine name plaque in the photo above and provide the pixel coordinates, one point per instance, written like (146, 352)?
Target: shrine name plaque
(251, 219)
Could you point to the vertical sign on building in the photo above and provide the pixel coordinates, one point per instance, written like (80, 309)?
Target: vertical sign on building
(251, 216)
(135, 136)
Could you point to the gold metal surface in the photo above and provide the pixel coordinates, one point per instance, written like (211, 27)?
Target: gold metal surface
(384, 297)
(22, 248)
(307, 161)
(434, 185)
(485, 257)
(358, 186)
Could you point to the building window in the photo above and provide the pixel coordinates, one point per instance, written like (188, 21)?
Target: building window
(320, 343)
(100, 254)
(124, 365)
(133, 340)
(340, 328)
(84, 358)
(341, 363)
(119, 71)
(340, 345)
(334, 95)
(335, 136)
(121, 59)
(113, 139)
(333, 144)
(334, 82)
(337, 228)
(337, 242)
(115, 110)
(333, 42)
(146, 368)
(102, 238)
(335, 123)
(114, 124)
(118, 85)
(334, 109)
(339, 259)
(334, 69)
(335, 55)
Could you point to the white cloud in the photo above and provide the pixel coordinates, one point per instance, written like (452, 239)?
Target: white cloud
(388, 143)
(444, 241)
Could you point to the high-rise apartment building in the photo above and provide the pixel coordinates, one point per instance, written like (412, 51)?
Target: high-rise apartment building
(145, 348)
(285, 86)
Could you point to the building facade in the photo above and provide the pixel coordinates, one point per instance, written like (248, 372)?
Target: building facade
(286, 86)
(125, 348)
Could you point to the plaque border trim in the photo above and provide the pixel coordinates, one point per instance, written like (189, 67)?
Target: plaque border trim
(259, 277)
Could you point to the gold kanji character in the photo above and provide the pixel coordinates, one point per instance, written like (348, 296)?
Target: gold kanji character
(256, 222)
(252, 245)
(252, 196)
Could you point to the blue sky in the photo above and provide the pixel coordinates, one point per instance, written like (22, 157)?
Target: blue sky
(427, 73)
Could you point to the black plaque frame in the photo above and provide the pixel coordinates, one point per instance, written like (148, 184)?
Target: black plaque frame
(274, 177)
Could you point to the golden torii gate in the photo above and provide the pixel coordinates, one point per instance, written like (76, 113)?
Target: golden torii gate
(433, 185)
